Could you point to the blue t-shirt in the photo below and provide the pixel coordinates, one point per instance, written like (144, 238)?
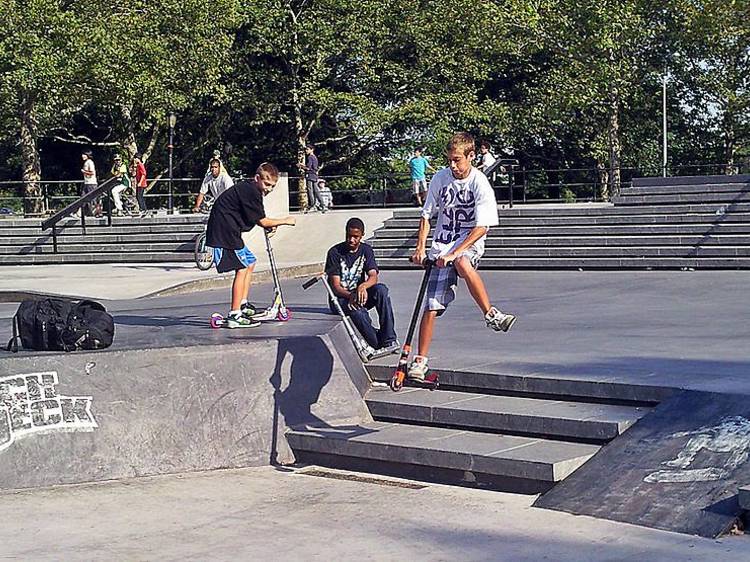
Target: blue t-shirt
(351, 267)
(418, 166)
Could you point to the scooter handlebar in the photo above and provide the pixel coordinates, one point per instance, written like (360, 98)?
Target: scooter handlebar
(310, 282)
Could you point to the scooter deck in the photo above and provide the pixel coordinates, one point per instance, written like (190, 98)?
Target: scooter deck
(430, 382)
(273, 315)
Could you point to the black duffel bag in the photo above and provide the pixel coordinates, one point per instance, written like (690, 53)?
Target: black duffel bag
(61, 325)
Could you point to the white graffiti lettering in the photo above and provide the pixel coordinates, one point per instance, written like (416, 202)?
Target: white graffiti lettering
(730, 436)
(29, 404)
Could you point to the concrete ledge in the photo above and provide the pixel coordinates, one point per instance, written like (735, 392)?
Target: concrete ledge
(745, 497)
(225, 280)
(86, 417)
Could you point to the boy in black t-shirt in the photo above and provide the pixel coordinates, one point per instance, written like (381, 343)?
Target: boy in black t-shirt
(353, 275)
(237, 210)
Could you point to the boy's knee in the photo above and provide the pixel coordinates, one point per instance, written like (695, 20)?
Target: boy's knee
(463, 266)
(380, 290)
(360, 314)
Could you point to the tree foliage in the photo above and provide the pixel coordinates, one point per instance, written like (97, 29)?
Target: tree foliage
(554, 83)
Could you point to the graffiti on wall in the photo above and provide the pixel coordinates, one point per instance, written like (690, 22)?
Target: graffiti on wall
(731, 437)
(30, 404)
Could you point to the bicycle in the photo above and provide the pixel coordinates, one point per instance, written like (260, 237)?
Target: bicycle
(204, 255)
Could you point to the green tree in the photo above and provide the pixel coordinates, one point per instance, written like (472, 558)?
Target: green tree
(38, 65)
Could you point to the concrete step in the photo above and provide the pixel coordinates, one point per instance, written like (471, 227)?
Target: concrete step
(589, 220)
(592, 252)
(595, 263)
(691, 180)
(557, 388)
(99, 238)
(130, 257)
(504, 414)
(492, 241)
(732, 187)
(523, 464)
(587, 210)
(592, 230)
(683, 198)
(135, 246)
(161, 219)
(76, 230)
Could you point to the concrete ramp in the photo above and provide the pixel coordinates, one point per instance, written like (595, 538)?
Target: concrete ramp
(677, 469)
(85, 417)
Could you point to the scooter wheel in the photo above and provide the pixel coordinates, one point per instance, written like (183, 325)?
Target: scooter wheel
(216, 320)
(396, 383)
(284, 315)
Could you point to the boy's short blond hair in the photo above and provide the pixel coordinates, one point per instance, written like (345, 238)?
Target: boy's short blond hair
(268, 171)
(462, 141)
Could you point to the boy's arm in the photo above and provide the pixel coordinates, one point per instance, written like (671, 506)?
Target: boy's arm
(267, 222)
(419, 252)
(338, 290)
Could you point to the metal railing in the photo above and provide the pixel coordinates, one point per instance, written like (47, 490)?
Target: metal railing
(105, 189)
(516, 184)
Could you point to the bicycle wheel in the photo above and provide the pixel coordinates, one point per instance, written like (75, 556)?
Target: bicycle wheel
(204, 255)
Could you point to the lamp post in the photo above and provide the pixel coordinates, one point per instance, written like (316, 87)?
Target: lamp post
(664, 124)
(172, 122)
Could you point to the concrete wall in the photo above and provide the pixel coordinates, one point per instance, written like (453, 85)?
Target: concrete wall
(95, 416)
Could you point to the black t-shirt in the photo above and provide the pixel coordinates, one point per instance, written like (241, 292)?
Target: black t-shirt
(235, 211)
(351, 267)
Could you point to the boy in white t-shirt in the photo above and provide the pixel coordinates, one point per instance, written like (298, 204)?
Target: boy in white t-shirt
(462, 198)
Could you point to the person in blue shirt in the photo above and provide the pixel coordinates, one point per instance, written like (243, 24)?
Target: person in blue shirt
(419, 166)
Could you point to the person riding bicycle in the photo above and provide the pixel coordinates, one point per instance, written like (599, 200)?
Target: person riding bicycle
(216, 180)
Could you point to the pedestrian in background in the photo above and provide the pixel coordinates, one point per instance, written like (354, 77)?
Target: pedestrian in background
(139, 170)
(311, 167)
(89, 183)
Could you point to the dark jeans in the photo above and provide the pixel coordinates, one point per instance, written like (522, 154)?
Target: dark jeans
(139, 191)
(313, 195)
(377, 298)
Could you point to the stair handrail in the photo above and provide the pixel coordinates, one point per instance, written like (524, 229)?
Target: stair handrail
(104, 188)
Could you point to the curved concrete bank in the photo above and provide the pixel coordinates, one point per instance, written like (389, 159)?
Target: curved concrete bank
(97, 416)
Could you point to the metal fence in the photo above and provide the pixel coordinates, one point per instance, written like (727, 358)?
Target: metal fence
(555, 185)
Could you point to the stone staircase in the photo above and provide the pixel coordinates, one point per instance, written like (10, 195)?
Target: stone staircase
(479, 429)
(700, 222)
(161, 238)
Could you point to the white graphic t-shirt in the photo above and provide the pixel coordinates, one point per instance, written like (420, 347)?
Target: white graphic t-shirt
(460, 205)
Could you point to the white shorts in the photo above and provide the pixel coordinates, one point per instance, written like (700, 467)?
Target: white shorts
(420, 186)
(443, 283)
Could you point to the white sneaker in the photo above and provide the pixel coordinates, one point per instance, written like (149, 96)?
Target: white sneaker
(418, 368)
(498, 321)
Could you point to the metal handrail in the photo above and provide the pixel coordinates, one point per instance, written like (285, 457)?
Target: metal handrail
(76, 206)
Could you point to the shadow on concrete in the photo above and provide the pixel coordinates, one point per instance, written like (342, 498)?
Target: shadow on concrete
(161, 321)
(310, 370)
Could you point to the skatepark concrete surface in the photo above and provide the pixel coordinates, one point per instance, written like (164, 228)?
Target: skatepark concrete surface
(665, 329)
(298, 250)
(267, 514)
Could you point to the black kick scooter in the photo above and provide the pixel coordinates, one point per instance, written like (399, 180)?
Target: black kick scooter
(431, 380)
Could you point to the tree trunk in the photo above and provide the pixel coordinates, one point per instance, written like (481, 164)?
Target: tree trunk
(613, 130)
(301, 137)
(729, 144)
(32, 167)
(129, 141)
